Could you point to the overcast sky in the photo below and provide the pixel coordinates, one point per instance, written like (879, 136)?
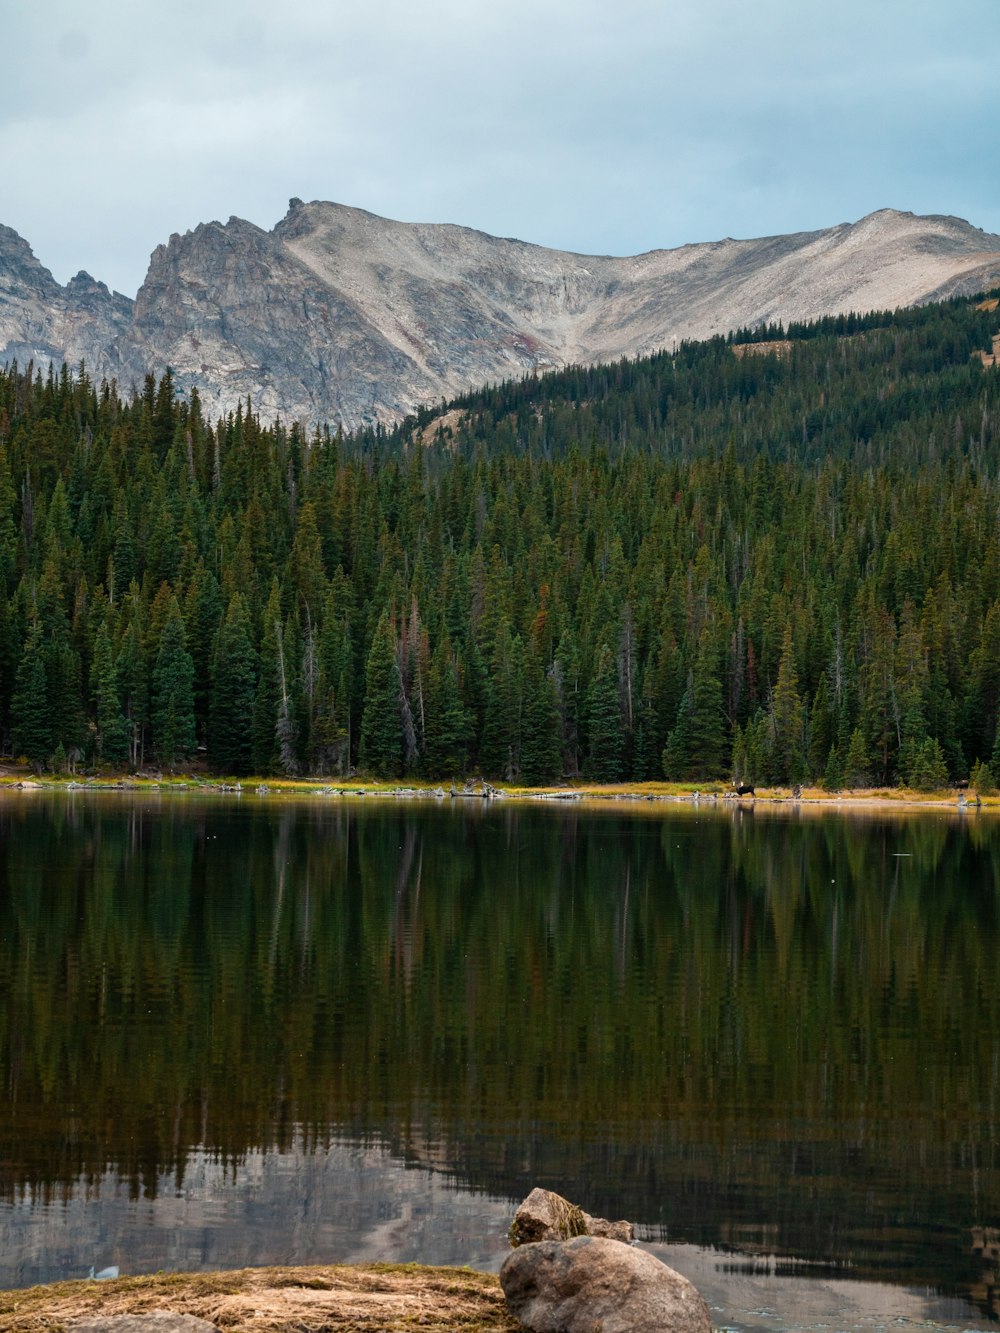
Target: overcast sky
(603, 126)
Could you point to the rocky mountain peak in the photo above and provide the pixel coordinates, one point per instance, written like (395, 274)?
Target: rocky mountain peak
(337, 314)
(41, 321)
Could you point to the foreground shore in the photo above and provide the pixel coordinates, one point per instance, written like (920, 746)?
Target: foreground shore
(277, 1300)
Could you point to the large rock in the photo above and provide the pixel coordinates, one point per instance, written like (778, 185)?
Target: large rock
(593, 1285)
(545, 1215)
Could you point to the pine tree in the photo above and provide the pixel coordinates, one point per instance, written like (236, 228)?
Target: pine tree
(269, 694)
(8, 530)
(857, 766)
(112, 729)
(541, 746)
(928, 771)
(234, 685)
(500, 751)
(381, 750)
(833, 775)
(30, 714)
(202, 617)
(696, 745)
(566, 679)
(132, 674)
(708, 726)
(330, 734)
(446, 737)
(172, 708)
(822, 730)
(981, 779)
(604, 721)
(787, 719)
(306, 560)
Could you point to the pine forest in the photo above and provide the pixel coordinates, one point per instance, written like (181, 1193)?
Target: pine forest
(771, 558)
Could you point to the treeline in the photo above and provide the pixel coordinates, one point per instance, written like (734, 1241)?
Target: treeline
(879, 389)
(778, 567)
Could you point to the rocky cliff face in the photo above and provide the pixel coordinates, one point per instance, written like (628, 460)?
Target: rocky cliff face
(41, 321)
(338, 315)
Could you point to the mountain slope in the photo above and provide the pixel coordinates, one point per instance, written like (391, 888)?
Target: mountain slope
(339, 315)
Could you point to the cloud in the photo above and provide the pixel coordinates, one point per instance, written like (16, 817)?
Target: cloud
(584, 125)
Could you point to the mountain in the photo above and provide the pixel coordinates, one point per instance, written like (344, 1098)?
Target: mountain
(42, 321)
(338, 315)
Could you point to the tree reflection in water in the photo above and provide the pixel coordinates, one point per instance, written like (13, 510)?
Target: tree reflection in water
(773, 1033)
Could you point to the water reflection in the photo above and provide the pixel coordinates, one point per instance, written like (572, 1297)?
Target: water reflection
(357, 1203)
(771, 1035)
(335, 1202)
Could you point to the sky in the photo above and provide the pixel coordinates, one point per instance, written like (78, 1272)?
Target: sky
(601, 126)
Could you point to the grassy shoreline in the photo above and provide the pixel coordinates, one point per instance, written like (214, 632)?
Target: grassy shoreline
(390, 1297)
(15, 778)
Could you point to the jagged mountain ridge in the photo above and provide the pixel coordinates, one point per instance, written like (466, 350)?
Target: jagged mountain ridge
(42, 321)
(339, 315)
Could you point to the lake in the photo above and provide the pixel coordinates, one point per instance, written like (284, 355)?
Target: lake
(245, 1029)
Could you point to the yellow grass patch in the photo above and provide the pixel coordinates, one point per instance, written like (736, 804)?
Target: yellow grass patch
(348, 1298)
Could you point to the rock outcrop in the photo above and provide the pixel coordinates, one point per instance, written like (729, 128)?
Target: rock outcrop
(545, 1215)
(338, 315)
(588, 1283)
(41, 321)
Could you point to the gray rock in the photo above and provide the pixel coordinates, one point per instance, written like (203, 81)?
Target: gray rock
(593, 1285)
(338, 315)
(42, 321)
(157, 1321)
(545, 1215)
(624, 1232)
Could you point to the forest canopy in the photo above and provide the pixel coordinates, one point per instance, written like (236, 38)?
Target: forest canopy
(774, 556)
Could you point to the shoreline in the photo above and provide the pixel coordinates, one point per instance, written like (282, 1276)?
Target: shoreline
(707, 796)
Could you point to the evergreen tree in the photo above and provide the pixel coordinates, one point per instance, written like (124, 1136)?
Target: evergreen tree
(132, 683)
(500, 751)
(234, 685)
(566, 679)
(271, 699)
(446, 735)
(172, 710)
(112, 730)
(330, 732)
(833, 775)
(857, 766)
(604, 721)
(202, 616)
(928, 771)
(787, 720)
(821, 730)
(381, 750)
(8, 530)
(541, 746)
(30, 713)
(981, 779)
(696, 746)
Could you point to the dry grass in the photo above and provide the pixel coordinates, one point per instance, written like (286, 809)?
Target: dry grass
(339, 1299)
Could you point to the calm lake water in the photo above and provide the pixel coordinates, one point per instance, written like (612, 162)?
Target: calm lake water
(257, 1030)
